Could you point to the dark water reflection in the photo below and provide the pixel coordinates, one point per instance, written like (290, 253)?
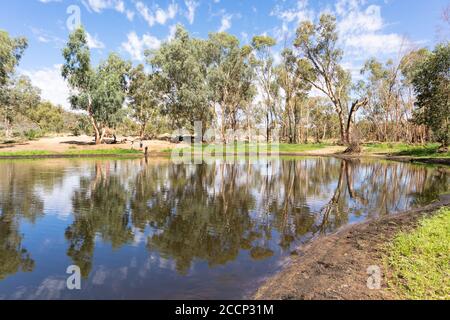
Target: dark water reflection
(158, 230)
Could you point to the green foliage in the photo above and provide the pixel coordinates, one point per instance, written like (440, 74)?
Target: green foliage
(230, 77)
(11, 51)
(99, 91)
(81, 125)
(17, 98)
(109, 91)
(33, 134)
(296, 91)
(403, 149)
(261, 42)
(48, 117)
(77, 69)
(319, 66)
(410, 63)
(431, 84)
(263, 65)
(144, 97)
(181, 72)
(418, 261)
(254, 148)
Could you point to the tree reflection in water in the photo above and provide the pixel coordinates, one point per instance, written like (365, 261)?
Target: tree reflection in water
(214, 213)
(99, 208)
(19, 202)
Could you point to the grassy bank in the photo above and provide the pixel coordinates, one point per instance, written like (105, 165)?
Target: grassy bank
(254, 148)
(419, 261)
(37, 153)
(402, 149)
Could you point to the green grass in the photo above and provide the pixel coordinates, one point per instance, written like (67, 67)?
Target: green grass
(284, 147)
(37, 153)
(254, 148)
(403, 149)
(117, 151)
(419, 261)
(25, 153)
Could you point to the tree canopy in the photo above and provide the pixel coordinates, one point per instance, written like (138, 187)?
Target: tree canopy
(431, 83)
(99, 91)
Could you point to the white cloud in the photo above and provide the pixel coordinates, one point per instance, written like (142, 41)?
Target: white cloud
(225, 22)
(130, 15)
(100, 5)
(44, 36)
(191, 6)
(157, 15)
(361, 30)
(373, 44)
(93, 42)
(136, 46)
(357, 21)
(53, 87)
(360, 27)
(117, 5)
(163, 15)
(298, 14)
(290, 19)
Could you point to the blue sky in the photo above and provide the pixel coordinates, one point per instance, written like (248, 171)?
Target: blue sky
(368, 28)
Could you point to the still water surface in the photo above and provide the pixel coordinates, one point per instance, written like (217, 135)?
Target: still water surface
(157, 230)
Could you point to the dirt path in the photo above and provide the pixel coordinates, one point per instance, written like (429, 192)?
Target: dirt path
(335, 266)
(66, 143)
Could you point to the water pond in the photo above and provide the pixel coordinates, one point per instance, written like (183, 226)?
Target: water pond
(157, 230)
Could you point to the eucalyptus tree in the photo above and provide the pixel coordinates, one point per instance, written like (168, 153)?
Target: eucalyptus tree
(432, 86)
(263, 64)
(295, 94)
(101, 91)
(181, 69)
(48, 117)
(382, 89)
(230, 78)
(18, 97)
(320, 60)
(143, 97)
(410, 64)
(11, 51)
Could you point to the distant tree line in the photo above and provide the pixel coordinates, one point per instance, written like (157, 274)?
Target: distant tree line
(307, 96)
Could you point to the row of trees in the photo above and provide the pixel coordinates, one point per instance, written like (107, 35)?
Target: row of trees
(21, 106)
(226, 85)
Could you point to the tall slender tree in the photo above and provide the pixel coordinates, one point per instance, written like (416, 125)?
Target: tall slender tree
(263, 64)
(144, 97)
(320, 60)
(101, 91)
(295, 94)
(230, 78)
(11, 51)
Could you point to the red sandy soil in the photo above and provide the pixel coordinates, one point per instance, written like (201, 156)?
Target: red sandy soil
(67, 143)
